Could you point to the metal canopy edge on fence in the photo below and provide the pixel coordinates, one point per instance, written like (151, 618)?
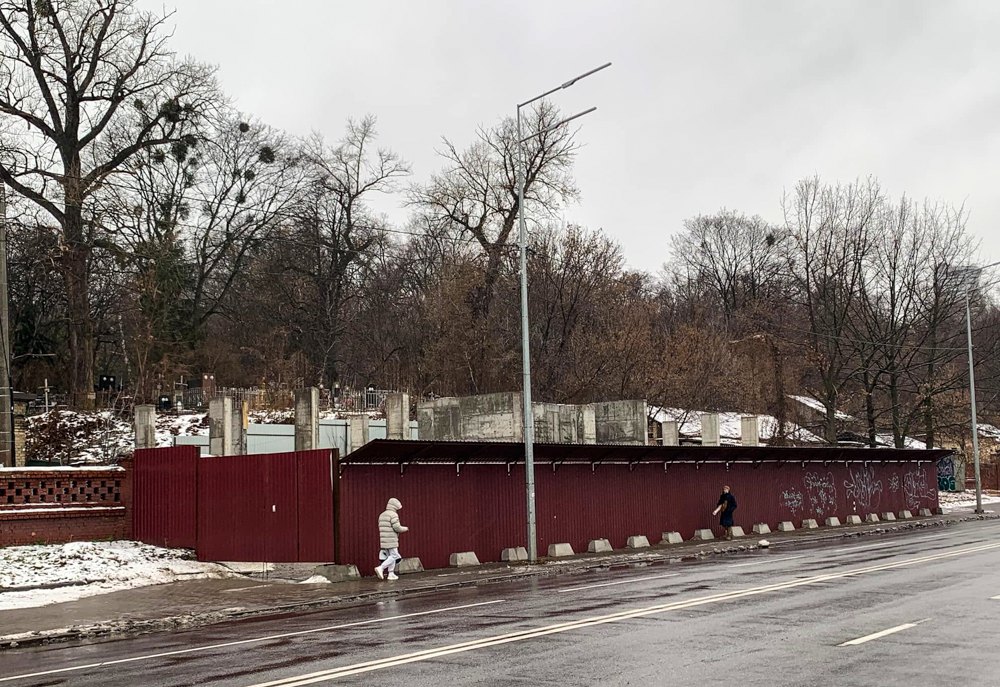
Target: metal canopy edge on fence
(382, 451)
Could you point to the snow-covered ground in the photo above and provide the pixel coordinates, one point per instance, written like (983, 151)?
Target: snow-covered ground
(961, 500)
(39, 575)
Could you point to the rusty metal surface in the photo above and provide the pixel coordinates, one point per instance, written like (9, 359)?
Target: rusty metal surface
(164, 501)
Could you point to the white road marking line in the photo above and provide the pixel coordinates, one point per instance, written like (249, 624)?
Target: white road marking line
(369, 666)
(883, 633)
(611, 584)
(884, 544)
(210, 647)
(243, 589)
(764, 560)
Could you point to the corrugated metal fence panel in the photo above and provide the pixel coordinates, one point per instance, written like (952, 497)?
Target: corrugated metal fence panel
(314, 472)
(164, 502)
(479, 508)
(482, 508)
(200, 441)
(232, 495)
(270, 507)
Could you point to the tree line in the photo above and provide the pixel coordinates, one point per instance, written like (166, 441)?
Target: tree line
(157, 232)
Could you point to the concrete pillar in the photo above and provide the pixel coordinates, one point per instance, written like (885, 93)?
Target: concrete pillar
(710, 429)
(220, 426)
(145, 426)
(357, 432)
(306, 419)
(20, 442)
(238, 428)
(587, 418)
(749, 430)
(671, 433)
(397, 416)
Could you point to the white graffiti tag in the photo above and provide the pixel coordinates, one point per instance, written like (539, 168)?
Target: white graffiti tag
(894, 484)
(821, 491)
(915, 488)
(864, 487)
(792, 500)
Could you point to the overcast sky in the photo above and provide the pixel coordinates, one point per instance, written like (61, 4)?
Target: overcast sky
(707, 105)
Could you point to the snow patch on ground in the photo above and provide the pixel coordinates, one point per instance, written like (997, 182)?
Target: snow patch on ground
(40, 575)
(962, 500)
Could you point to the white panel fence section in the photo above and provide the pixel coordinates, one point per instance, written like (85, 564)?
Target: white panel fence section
(281, 438)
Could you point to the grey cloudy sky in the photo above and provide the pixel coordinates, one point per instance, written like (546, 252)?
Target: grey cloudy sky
(708, 104)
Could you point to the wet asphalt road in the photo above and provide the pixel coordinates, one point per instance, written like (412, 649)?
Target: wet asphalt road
(920, 606)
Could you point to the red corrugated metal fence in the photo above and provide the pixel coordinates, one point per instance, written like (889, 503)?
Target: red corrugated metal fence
(165, 496)
(268, 507)
(481, 507)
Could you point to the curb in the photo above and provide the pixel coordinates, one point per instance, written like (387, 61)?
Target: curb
(657, 555)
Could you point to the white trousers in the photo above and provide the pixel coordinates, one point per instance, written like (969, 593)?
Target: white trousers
(389, 564)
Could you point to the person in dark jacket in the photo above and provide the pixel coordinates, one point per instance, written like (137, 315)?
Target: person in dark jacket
(724, 509)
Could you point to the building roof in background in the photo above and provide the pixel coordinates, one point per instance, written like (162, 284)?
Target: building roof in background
(817, 405)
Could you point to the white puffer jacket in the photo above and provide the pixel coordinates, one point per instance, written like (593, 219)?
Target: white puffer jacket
(389, 526)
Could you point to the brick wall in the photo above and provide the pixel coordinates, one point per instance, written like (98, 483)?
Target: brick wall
(62, 505)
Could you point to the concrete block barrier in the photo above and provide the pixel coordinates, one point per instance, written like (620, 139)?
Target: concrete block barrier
(905, 515)
(703, 535)
(463, 559)
(671, 538)
(939, 511)
(515, 553)
(599, 546)
(924, 512)
(761, 528)
(409, 565)
(809, 524)
(871, 517)
(833, 522)
(888, 516)
(736, 531)
(786, 526)
(560, 550)
(337, 573)
(853, 519)
(637, 541)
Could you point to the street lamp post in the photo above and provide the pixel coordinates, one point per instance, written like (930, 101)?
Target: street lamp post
(969, 277)
(529, 419)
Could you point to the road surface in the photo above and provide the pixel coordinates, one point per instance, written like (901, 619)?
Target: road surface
(921, 608)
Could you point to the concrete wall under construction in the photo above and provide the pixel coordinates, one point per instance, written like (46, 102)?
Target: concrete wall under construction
(489, 417)
(497, 417)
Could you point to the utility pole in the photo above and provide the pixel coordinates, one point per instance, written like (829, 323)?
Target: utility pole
(6, 390)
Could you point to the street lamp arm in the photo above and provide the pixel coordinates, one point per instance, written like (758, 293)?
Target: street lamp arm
(564, 85)
(556, 125)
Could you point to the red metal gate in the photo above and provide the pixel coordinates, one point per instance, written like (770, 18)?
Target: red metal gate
(267, 507)
(165, 496)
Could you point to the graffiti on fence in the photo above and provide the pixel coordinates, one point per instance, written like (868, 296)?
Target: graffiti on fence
(946, 474)
(894, 484)
(822, 492)
(792, 500)
(864, 488)
(915, 488)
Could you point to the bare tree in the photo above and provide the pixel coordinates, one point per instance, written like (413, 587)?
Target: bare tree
(830, 230)
(85, 85)
(476, 194)
(735, 257)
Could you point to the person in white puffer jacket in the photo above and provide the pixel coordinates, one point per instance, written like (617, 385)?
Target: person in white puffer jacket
(389, 529)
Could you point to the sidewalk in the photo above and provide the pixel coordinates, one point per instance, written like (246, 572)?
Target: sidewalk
(195, 603)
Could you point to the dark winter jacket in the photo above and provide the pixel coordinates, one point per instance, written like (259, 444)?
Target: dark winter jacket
(728, 503)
